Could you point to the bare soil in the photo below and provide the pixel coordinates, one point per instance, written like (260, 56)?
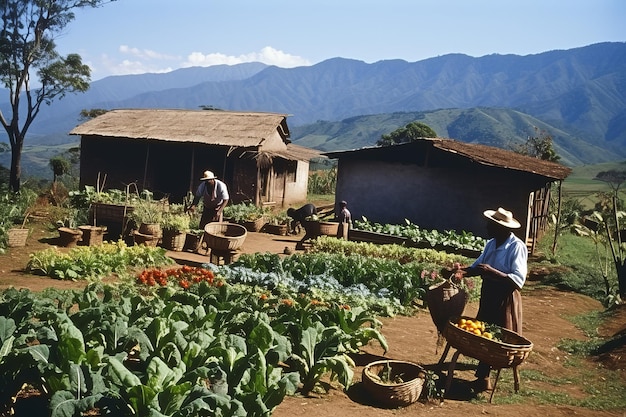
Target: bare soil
(546, 312)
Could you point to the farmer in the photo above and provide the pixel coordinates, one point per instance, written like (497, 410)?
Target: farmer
(299, 216)
(345, 220)
(214, 195)
(502, 266)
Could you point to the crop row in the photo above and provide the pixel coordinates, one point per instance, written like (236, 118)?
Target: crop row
(206, 350)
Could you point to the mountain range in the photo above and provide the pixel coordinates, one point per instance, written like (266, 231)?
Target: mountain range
(577, 96)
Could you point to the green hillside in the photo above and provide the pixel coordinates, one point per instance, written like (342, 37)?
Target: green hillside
(503, 128)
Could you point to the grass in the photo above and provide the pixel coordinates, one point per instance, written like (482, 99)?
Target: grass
(580, 184)
(603, 388)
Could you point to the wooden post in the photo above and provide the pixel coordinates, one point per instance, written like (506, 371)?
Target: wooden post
(558, 219)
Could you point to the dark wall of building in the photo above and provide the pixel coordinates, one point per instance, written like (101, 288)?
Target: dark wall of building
(168, 169)
(448, 195)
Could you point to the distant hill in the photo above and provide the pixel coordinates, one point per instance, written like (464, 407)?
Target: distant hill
(577, 95)
(502, 128)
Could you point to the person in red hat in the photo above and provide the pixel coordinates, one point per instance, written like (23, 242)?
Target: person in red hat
(503, 267)
(214, 195)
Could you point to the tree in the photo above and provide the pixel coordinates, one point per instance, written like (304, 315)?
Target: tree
(27, 49)
(539, 146)
(92, 113)
(60, 166)
(409, 133)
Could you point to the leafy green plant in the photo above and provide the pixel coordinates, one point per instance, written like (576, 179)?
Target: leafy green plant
(278, 218)
(450, 239)
(175, 218)
(94, 261)
(243, 212)
(148, 211)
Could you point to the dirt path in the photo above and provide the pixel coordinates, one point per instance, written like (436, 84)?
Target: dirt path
(415, 339)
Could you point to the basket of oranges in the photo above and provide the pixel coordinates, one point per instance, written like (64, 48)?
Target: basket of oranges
(494, 345)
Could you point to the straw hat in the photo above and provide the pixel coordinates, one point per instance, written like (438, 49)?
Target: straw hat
(208, 175)
(502, 217)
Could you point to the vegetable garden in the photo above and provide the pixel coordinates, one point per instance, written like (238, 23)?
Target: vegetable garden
(181, 341)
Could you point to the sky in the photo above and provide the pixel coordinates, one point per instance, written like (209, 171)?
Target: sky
(155, 36)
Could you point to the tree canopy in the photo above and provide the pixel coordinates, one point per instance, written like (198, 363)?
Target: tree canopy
(539, 146)
(409, 133)
(31, 69)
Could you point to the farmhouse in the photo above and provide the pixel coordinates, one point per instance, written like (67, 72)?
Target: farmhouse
(166, 152)
(444, 184)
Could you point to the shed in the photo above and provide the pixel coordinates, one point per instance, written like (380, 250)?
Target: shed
(166, 152)
(444, 184)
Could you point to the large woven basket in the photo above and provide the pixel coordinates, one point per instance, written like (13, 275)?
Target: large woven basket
(224, 236)
(511, 351)
(445, 300)
(394, 395)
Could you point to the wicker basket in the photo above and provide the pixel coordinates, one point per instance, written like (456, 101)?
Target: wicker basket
(173, 240)
(445, 300)
(510, 352)
(394, 395)
(69, 237)
(93, 235)
(328, 228)
(254, 225)
(224, 236)
(17, 237)
(192, 242)
(148, 240)
(276, 229)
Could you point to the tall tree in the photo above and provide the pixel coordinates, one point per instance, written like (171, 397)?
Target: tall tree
(27, 49)
(409, 133)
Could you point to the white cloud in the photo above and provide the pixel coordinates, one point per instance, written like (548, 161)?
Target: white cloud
(145, 53)
(109, 66)
(267, 55)
(141, 61)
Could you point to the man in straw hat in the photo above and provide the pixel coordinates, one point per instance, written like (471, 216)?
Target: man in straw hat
(214, 195)
(502, 266)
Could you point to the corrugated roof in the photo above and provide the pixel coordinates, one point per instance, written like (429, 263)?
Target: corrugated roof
(241, 129)
(486, 155)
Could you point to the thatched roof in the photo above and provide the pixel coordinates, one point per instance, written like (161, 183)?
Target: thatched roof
(202, 126)
(482, 154)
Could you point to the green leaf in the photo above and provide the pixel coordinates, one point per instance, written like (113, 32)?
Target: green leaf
(142, 399)
(172, 398)
(64, 404)
(120, 375)
(161, 376)
(7, 328)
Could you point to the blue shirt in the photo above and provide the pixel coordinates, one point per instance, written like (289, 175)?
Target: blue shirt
(511, 258)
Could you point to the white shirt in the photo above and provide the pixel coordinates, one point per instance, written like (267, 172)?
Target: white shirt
(220, 193)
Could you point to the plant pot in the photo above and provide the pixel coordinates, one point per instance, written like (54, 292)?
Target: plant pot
(92, 235)
(151, 229)
(328, 228)
(192, 242)
(68, 237)
(275, 229)
(173, 240)
(17, 237)
(254, 225)
(148, 240)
